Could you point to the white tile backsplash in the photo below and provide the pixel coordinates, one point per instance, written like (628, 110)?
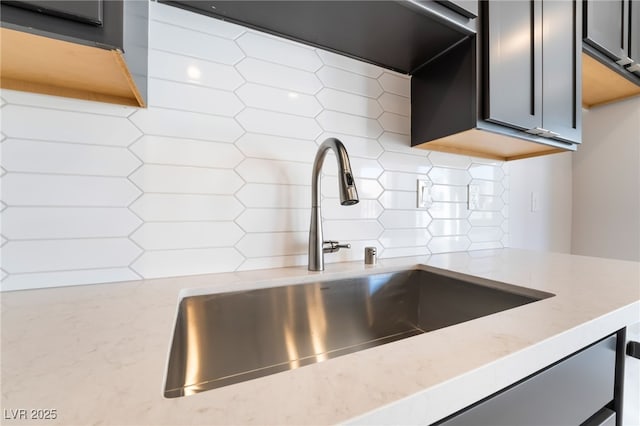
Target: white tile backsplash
(186, 207)
(215, 174)
(67, 158)
(280, 76)
(24, 189)
(272, 49)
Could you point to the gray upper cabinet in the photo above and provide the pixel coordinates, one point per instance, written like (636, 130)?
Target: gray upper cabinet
(612, 31)
(90, 22)
(533, 83)
(514, 91)
(399, 35)
(604, 27)
(515, 64)
(89, 12)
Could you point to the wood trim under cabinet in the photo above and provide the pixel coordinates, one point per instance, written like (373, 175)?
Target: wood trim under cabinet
(480, 143)
(600, 85)
(34, 63)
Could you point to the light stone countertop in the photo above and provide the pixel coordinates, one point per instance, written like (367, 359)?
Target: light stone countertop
(98, 353)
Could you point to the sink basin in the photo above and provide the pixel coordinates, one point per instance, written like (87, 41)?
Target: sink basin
(226, 338)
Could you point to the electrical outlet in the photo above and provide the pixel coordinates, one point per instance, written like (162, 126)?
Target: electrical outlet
(473, 196)
(424, 199)
(535, 203)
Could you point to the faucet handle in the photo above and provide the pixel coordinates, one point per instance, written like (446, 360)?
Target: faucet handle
(333, 246)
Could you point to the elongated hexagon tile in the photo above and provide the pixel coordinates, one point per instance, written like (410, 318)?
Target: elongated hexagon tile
(356, 146)
(273, 244)
(279, 100)
(194, 21)
(186, 207)
(186, 69)
(485, 234)
(186, 180)
(400, 181)
(442, 210)
(60, 190)
(197, 44)
(67, 222)
(389, 253)
(338, 100)
(263, 195)
(67, 158)
(270, 262)
(186, 124)
(392, 238)
(396, 84)
(336, 78)
(403, 219)
(445, 176)
(395, 123)
(489, 187)
(278, 124)
(486, 218)
(397, 142)
(186, 235)
(444, 227)
(348, 64)
(275, 220)
(402, 200)
(405, 163)
(162, 93)
(186, 152)
(276, 147)
(365, 209)
(171, 263)
(58, 255)
(449, 244)
(285, 52)
(275, 75)
(350, 230)
(488, 203)
(396, 104)
(255, 170)
(453, 161)
(486, 172)
(332, 121)
(67, 126)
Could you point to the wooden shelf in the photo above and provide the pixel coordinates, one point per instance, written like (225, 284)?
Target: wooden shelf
(601, 85)
(34, 63)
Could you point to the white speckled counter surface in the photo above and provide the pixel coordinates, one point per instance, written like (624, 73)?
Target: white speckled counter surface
(97, 354)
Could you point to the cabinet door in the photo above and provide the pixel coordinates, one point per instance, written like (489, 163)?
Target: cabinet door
(561, 69)
(514, 58)
(87, 11)
(604, 27)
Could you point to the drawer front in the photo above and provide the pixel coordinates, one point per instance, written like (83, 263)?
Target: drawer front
(568, 393)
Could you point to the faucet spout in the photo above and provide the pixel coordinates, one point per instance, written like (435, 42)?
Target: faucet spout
(348, 197)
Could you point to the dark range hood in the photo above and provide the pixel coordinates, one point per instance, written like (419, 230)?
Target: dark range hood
(398, 35)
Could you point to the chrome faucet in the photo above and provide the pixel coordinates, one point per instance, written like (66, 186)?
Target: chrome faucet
(348, 197)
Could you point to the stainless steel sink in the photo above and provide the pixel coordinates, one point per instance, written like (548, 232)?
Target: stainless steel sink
(226, 338)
